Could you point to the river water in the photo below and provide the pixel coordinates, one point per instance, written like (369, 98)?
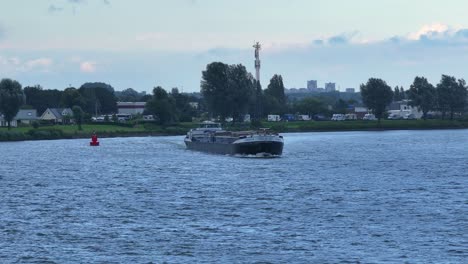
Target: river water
(343, 197)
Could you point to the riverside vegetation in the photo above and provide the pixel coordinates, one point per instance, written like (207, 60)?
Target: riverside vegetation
(148, 129)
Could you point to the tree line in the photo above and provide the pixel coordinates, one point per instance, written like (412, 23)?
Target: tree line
(449, 96)
(231, 91)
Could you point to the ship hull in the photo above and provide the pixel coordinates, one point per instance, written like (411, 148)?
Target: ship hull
(240, 147)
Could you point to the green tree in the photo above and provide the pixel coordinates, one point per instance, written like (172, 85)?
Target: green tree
(422, 95)
(452, 95)
(396, 94)
(276, 89)
(98, 97)
(11, 98)
(402, 93)
(184, 111)
(161, 106)
(310, 106)
(214, 88)
(70, 97)
(241, 89)
(376, 95)
(340, 106)
(41, 99)
(227, 89)
(78, 116)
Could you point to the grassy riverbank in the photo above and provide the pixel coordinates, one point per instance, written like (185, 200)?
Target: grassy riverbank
(148, 129)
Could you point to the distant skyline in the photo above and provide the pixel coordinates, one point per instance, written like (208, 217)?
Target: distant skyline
(146, 43)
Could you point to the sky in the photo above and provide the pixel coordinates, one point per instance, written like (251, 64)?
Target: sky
(146, 43)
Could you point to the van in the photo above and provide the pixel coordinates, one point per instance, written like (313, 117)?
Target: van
(370, 117)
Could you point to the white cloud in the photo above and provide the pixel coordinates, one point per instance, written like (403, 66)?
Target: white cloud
(432, 29)
(38, 63)
(88, 66)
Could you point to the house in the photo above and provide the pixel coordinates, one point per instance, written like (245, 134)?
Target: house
(24, 116)
(57, 115)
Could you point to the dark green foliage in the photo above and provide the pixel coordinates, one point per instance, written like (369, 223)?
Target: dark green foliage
(309, 106)
(396, 94)
(70, 97)
(46, 134)
(11, 99)
(98, 97)
(340, 106)
(184, 111)
(227, 89)
(129, 95)
(78, 116)
(376, 95)
(274, 99)
(41, 99)
(451, 95)
(422, 95)
(162, 106)
(35, 124)
(276, 89)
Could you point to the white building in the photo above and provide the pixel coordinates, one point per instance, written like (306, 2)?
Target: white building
(131, 108)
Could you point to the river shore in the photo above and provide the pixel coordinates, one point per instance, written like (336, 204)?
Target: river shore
(119, 130)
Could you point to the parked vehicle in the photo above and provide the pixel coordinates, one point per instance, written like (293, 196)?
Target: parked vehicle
(351, 117)
(320, 117)
(289, 117)
(394, 116)
(409, 117)
(338, 117)
(303, 117)
(274, 118)
(370, 117)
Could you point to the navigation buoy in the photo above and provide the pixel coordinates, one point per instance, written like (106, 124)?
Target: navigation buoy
(94, 140)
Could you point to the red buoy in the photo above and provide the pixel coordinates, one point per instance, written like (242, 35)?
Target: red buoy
(94, 140)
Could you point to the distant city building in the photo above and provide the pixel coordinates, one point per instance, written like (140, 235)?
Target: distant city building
(350, 90)
(311, 85)
(131, 107)
(330, 87)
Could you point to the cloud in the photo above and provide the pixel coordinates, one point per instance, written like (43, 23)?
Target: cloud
(41, 63)
(54, 9)
(77, 1)
(88, 66)
(106, 2)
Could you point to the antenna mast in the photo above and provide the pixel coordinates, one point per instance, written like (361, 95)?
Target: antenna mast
(257, 47)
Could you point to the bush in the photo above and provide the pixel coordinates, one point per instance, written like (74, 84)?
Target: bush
(12, 136)
(35, 124)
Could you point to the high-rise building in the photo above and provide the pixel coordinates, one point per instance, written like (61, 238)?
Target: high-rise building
(312, 85)
(330, 87)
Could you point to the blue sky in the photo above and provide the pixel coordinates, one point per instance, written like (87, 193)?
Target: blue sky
(145, 43)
